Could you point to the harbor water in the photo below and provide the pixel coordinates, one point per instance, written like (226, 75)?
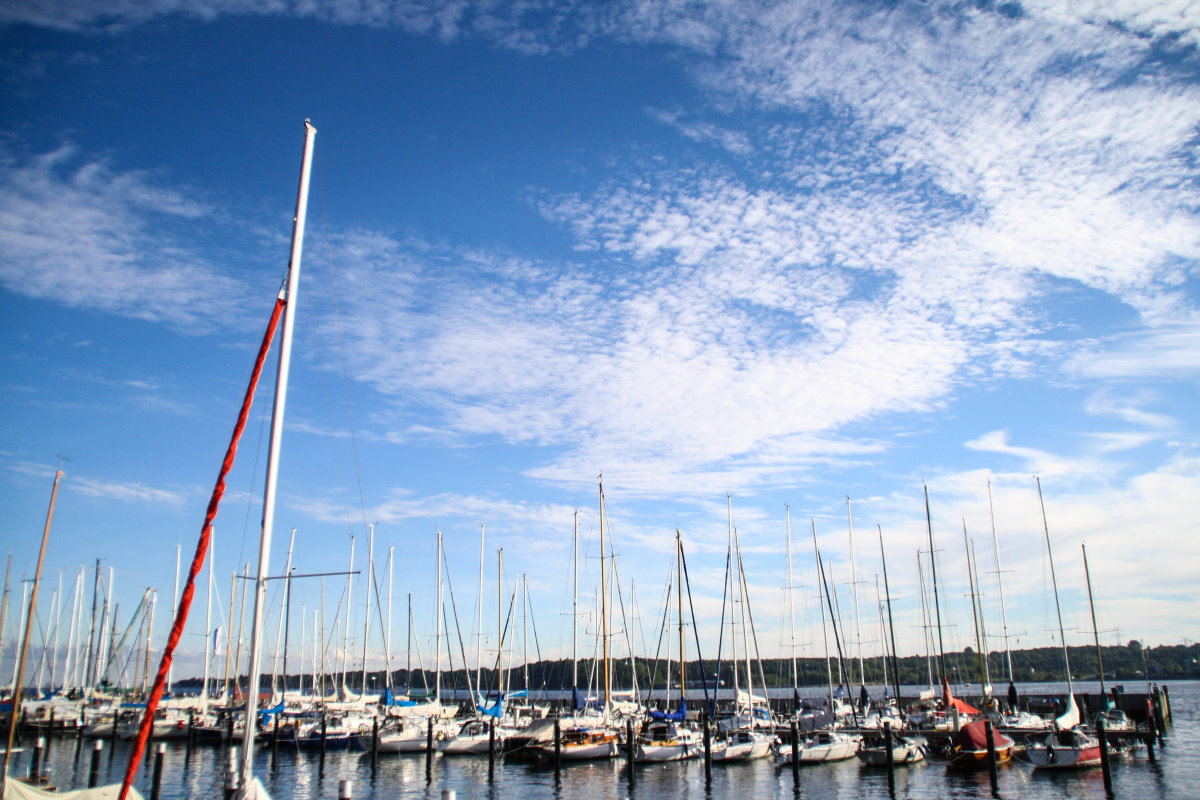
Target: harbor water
(1173, 774)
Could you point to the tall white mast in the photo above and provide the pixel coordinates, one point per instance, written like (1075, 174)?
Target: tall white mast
(174, 613)
(479, 616)
(349, 612)
(791, 600)
(575, 612)
(437, 644)
(733, 597)
(207, 627)
(862, 673)
(291, 289)
(68, 676)
(1000, 584)
(1054, 582)
(279, 630)
(387, 639)
(367, 617)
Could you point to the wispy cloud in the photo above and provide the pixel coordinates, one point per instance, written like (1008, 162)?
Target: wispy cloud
(79, 233)
(128, 492)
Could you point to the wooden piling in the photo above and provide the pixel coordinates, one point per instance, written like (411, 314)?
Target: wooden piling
(35, 762)
(707, 747)
(631, 749)
(429, 749)
(491, 749)
(1105, 767)
(94, 772)
(156, 781)
(557, 743)
(374, 743)
(231, 773)
(991, 755)
(324, 728)
(891, 758)
(795, 755)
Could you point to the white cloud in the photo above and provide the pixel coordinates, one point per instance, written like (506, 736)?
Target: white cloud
(127, 492)
(1170, 351)
(86, 236)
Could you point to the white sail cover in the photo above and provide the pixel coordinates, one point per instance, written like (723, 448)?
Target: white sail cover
(16, 790)
(1070, 717)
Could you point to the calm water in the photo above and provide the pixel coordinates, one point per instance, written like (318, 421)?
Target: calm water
(1175, 775)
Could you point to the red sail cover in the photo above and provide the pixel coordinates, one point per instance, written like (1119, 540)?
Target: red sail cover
(953, 702)
(973, 736)
(185, 600)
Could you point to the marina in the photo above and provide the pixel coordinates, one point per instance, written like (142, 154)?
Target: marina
(198, 772)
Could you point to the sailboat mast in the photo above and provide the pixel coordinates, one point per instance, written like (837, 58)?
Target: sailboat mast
(983, 689)
(1054, 582)
(479, 615)
(349, 612)
(575, 611)
(174, 613)
(437, 642)
(679, 600)
(500, 619)
(37, 577)
(387, 638)
(887, 593)
(281, 378)
(604, 606)
(369, 592)
(933, 575)
(1000, 584)
(862, 672)
(1095, 630)
(791, 602)
(207, 630)
(821, 602)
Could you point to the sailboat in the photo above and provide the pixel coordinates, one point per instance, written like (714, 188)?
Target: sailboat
(587, 736)
(665, 737)
(412, 726)
(1067, 747)
(743, 736)
(826, 743)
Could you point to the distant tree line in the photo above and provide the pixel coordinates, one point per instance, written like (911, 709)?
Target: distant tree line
(1130, 662)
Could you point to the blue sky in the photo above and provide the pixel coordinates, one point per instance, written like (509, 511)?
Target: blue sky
(786, 251)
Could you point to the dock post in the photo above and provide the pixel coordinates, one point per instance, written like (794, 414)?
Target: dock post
(1160, 722)
(231, 773)
(275, 738)
(156, 781)
(991, 752)
(890, 757)
(1151, 728)
(491, 749)
(374, 743)
(1104, 765)
(428, 749)
(228, 731)
(149, 746)
(324, 729)
(795, 755)
(94, 772)
(345, 789)
(631, 750)
(557, 743)
(707, 747)
(35, 762)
